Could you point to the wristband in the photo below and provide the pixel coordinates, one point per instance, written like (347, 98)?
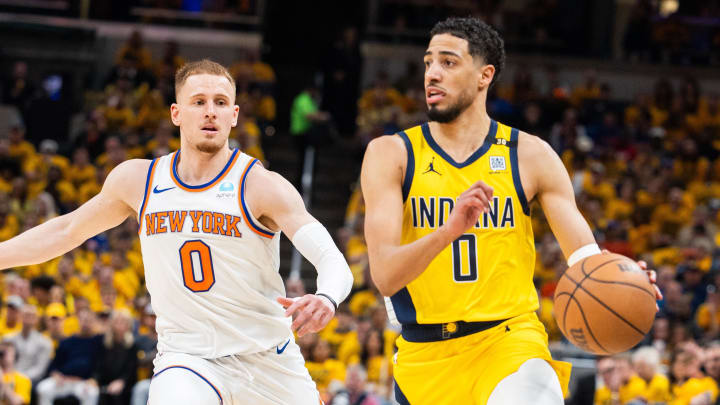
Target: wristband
(332, 301)
(583, 252)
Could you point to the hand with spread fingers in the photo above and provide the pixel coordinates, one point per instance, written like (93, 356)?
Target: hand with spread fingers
(652, 276)
(310, 312)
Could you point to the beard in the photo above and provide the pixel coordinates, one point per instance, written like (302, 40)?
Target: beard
(451, 112)
(209, 147)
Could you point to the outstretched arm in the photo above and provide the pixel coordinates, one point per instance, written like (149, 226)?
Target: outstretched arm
(279, 206)
(392, 264)
(61, 234)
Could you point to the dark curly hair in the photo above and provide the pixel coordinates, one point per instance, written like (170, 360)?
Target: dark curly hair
(483, 40)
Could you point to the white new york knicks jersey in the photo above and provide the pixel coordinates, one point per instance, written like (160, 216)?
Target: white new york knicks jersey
(210, 267)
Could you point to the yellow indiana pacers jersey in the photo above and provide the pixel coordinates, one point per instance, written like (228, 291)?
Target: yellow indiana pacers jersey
(487, 273)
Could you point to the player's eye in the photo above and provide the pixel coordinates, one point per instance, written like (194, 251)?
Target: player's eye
(221, 102)
(449, 63)
(427, 64)
(199, 102)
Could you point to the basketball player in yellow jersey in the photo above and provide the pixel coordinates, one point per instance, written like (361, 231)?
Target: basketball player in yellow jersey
(450, 238)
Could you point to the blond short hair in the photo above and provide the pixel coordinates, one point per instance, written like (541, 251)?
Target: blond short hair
(204, 66)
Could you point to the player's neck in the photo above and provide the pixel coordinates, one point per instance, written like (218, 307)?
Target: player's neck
(469, 129)
(195, 167)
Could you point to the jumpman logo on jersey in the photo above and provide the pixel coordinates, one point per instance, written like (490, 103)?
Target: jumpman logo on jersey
(431, 167)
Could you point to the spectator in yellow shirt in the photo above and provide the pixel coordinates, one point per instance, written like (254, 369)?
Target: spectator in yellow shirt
(152, 111)
(672, 215)
(607, 393)
(712, 361)
(622, 385)
(9, 224)
(340, 327)
(379, 320)
(55, 314)
(322, 368)
(379, 366)
(71, 325)
(163, 141)
(350, 348)
(708, 313)
(40, 288)
(135, 50)
(15, 388)
(646, 361)
(81, 171)
(19, 147)
(691, 386)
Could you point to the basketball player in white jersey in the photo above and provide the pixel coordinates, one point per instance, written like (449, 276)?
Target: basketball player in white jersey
(209, 224)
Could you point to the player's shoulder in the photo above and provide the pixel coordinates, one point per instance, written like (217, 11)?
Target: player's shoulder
(130, 171)
(127, 180)
(532, 148)
(386, 144)
(133, 165)
(259, 173)
(265, 183)
(390, 149)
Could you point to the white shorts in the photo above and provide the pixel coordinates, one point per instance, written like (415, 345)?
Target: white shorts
(276, 377)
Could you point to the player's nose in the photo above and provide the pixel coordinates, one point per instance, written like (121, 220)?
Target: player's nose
(433, 73)
(210, 110)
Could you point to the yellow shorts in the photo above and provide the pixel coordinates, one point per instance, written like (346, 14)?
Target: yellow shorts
(465, 370)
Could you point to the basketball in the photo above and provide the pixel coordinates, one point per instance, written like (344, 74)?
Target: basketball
(605, 304)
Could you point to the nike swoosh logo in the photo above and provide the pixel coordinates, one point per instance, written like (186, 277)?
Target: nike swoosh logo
(282, 349)
(156, 191)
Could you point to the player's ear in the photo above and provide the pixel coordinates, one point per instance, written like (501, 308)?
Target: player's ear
(175, 114)
(485, 76)
(236, 112)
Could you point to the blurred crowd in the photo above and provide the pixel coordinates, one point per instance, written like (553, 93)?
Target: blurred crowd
(684, 32)
(81, 326)
(646, 174)
(688, 35)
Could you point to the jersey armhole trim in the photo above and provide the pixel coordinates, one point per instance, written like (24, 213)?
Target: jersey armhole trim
(258, 229)
(146, 195)
(410, 168)
(514, 135)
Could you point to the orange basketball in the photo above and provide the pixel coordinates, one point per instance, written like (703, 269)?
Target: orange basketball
(605, 304)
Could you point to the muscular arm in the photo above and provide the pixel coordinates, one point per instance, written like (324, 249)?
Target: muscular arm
(277, 205)
(549, 182)
(392, 264)
(61, 234)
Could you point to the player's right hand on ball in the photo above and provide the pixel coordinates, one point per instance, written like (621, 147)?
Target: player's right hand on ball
(310, 312)
(468, 207)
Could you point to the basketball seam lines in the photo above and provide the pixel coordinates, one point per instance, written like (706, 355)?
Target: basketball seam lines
(613, 311)
(584, 319)
(622, 283)
(578, 285)
(572, 297)
(582, 270)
